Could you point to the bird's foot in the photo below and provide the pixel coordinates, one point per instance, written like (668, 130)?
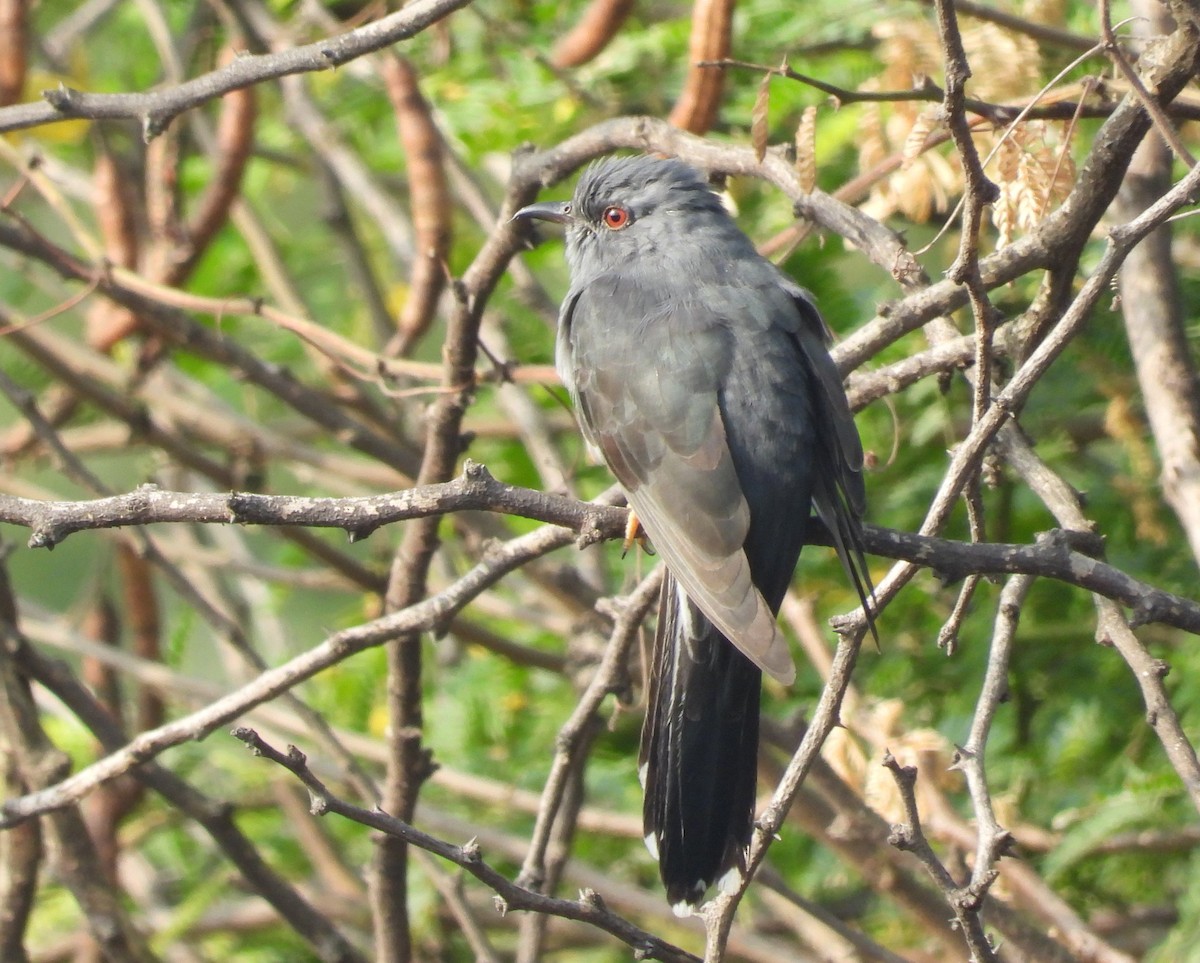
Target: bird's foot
(635, 533)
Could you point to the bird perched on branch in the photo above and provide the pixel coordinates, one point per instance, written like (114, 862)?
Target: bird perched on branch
(701, 374)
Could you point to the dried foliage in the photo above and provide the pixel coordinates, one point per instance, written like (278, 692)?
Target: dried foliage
(1034, 176)
(806, 149)
(1006, 67)
(758, 118)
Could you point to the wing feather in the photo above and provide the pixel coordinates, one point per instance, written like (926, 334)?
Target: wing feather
(666, 443)
(839, 493)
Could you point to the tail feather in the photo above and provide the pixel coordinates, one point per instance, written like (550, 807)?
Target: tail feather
(699, 754)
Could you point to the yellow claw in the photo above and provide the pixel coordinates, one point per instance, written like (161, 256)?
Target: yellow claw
(634, 533)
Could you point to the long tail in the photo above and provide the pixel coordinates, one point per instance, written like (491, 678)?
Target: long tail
(699, 754)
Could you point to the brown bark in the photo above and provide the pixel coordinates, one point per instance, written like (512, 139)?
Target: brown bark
(712, 35)
(14, 25)
(591, 34)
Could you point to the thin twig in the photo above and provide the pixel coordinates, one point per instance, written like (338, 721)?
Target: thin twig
(589, 908)
(1162, 122)
(606, 680)
(910, 837)
(155, 110)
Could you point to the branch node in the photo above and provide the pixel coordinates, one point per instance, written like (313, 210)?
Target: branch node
(530, 880)
(591, 900)
(962, 758)
(591, 531)
(45, 536)
(248, 736)
(359, 533)
(900, 837)
(970, 898)
(470, 852)
(905, 775)
(153, 124)
(236, 504)
(1144, 612)
(475, 474)
(62, 99)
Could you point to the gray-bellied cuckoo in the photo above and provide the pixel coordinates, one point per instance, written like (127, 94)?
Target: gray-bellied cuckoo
(701, 373)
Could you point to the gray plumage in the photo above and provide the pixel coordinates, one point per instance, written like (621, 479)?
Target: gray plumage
(701, 374)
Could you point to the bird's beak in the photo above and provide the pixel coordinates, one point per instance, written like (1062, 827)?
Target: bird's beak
(557, 211)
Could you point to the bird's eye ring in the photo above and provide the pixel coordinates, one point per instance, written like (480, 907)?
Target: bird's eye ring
(615, 217)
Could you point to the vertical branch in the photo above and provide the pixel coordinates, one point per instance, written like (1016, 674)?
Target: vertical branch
(556, 817)
(1155, 322)
(909, 836)
(41, 764)
(161, 189)
(1155, 327)
(112, 802)
(142, 618)
(409, 763)
(979, 191)
(992, 841)
(104, 809)
(21, 855)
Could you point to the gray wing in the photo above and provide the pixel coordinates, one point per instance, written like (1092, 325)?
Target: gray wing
(839, 494)
(646, 391)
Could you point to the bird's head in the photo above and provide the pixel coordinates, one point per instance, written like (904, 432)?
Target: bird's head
(628, 208)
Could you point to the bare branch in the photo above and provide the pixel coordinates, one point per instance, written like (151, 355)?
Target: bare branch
(1064, 556)
(509, 897)
(431, 614)
(157, 109)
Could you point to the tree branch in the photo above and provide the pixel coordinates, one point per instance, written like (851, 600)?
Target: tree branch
(589, 908)
(157, 109)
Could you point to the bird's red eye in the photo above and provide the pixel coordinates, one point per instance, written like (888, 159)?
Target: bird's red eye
(615, 217)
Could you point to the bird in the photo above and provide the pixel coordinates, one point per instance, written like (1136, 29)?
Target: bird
(701, 374)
